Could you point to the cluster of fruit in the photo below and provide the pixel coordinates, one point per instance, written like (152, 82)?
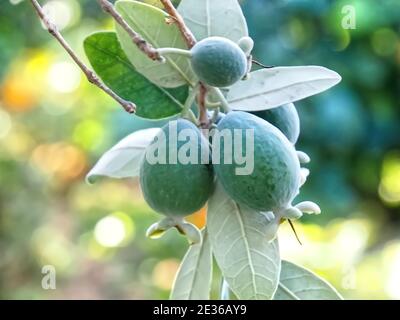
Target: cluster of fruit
(179, 189)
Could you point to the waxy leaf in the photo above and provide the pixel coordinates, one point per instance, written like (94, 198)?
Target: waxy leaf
(206, 18)
(111, 64)
(270, 88)
(152, 24)
(298, 283)
(124, 159)
(249, 262)
(193, 280)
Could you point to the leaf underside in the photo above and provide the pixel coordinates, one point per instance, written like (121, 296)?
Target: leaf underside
(208, 18)
(124, 159)
(193, 280)
(249, 263)
(298, 283)
(270, 88)
(152, 24)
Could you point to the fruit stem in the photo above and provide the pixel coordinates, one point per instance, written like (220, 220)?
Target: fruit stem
(186, 111)
(190, 99)
(182, 52)
(212, 105)
(224, 103)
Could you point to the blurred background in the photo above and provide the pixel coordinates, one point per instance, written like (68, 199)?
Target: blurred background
(54, 126)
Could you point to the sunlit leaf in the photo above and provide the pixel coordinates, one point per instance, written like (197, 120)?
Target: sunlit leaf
(111, 64)
(152, 24)
(298, 283)
(208, 18)
(193, 280)
(269, 88)
(123, 160)
(248, 261)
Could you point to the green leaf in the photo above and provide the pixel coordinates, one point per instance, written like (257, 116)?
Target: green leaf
(124, 159)
(193, 280)
(298, 283)
(208, 18)
(151, 23)
(270, 88)
(111, 64)
(248, 261)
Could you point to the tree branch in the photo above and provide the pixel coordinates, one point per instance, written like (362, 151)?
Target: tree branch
(175, 15)
(142, 44)
(190, 40)
(90, 75)
(203, 116)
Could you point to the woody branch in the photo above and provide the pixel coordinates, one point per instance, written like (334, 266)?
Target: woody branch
(90, 75)
(137, 39)
(190, 42)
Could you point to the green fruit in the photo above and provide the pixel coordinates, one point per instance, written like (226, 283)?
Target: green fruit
(218, 61)
(275, 180)
(173, 188)
(285, 118)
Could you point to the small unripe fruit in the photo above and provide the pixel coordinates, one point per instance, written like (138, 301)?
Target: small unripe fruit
(218, 61)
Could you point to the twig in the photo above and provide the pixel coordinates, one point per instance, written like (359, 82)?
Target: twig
(175, 15)
(203, 116)
(190, 40)
(91, 76)
(142, 44)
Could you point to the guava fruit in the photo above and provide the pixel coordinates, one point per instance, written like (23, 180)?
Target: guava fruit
(285, 118)
(177, 187)
(275, 179)
(218, 61)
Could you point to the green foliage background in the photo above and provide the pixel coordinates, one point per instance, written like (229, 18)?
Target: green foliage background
(54, 126)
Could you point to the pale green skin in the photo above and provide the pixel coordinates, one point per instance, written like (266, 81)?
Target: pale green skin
(177, 190)
(275, 180)
(285, 118)
(218, 62)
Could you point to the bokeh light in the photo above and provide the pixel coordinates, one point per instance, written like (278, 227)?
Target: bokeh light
(389, 187)
(164, 273)
(113, 230)
(64, 77)
(5, 123)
